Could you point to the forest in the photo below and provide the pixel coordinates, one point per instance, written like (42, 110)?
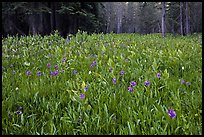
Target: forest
(24, 18)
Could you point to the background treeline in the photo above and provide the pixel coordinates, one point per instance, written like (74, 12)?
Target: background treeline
(43, 18)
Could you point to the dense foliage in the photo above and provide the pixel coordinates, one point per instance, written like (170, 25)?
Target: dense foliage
(102, 84)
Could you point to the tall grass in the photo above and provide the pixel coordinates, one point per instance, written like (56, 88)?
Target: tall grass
(40, 104)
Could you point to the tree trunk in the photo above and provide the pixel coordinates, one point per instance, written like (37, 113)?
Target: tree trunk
(52, 17)
(187, 24)
(163, 19)
(118, 24)
(32, 20)
(181, 18)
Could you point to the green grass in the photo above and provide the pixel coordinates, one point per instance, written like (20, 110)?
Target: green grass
(52, 104)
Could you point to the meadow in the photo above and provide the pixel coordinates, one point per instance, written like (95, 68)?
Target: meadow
(102, 84)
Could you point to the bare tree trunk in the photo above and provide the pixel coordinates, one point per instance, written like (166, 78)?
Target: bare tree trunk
(159, 27)
(119, 17)
(118, 24)
(181, 18)
(163, 19)
(187, 24)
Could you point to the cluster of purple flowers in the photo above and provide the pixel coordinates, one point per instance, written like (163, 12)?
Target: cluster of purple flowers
(28, 73)
(93, 64)
(114, 80)
(54, 73)
(183, 82)
(132, 84)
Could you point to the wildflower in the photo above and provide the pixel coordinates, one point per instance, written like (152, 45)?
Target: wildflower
(48, 65)
(62, 70)
(52, 74)
(82, 96)
(133, 84)
(147, 83)
(18, 112)
(102, 53)
(56, 72)
(159, 75)
(130, 89)
(188, 83)
(93, 64)
(56, 66)
(38, 74)
(63, 60)
(171, 113)
(85, 88)
(182, 81)
(75, 72)
(114, 80)
(110, 69)
(122, 72)
(28, 73)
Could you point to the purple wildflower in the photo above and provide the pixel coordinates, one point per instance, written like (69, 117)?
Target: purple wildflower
(182, 81)
(114, 80)
(110, 69)
(93, 64)
(82, 96)
(38, 73)
(75, 72)
(171, 113)
(188, 83)
(147, 83)
(122, 72)
(18, 112)
(56, 66)
(159, 75)
(63, 60)
(133, 84)
(56, 72)
(130, 89)
(48, 65)
(28, 73)
(85, 88)
(52, 74)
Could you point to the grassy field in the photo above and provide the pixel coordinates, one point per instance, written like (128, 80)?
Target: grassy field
(102, 84)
